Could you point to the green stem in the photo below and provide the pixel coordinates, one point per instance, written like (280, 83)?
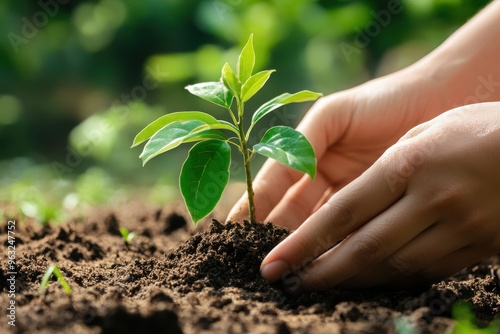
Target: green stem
(246, 162)
(232, 115)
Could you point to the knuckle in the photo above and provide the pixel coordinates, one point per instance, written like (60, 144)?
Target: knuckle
(431, 274)
(413, 132)
(340, 214)
(400, 266)
(317, 281)
(298, 207)
(405, 157)
(367, 250)
(322, 103)
(471, 227)
(445, 197)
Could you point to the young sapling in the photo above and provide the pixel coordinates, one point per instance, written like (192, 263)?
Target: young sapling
(53, 269)
(205, 173)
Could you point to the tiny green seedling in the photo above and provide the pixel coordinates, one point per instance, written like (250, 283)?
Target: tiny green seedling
(53, 269)
(403, 326)
(127, 235)
(205, 172)
(465, 321)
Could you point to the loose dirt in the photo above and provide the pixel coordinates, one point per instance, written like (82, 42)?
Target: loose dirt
(175, 278)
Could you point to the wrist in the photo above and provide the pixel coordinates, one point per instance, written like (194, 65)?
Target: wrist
(465, 67)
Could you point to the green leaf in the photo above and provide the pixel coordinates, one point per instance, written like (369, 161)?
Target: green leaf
(214, 92)
(204, 176)
(289, 147)
(53, 269)
(219, 126)
(204, 135)
(231, 125)
(127, 235)
(45, 279)
(246, 61)
(254, 84)
(180, 116)
(167, 138)
(283, 99)
(230, 80)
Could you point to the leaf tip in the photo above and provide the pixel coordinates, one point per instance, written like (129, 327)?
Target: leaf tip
(136, 140)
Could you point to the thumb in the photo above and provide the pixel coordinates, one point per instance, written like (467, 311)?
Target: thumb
(239, 212)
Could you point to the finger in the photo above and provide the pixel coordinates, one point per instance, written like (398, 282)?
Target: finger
(239, 211)
(299, 201)
(368, 246)
(454, 262)
(323, 125)
(436, 244)
(342, 165)
(347, 210)
(302, 198)
(269, 186)
(326, 196)
(433, 244)
(444, 267)
(462, 226)
(326, 123)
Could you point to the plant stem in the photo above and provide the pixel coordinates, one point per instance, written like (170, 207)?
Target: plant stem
(246, 162)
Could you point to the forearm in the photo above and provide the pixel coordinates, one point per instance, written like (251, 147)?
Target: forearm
(467, 64)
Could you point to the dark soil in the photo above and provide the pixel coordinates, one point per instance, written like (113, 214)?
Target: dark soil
(174, 278)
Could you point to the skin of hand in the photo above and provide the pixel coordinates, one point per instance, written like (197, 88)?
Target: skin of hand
(350, 131)
(435, 211)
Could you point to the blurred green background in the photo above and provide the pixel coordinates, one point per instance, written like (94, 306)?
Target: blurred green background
(78, 79)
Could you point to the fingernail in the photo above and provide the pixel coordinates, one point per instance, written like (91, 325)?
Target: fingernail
(273, 271)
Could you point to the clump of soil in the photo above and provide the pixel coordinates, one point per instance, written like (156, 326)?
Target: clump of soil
(175, 278)
(227, 255)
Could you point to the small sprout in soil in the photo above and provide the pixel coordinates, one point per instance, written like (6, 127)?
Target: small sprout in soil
(41, 211)
(403, 326)
(465, 321)
(127, 235)
(205, 172)
(53, 269)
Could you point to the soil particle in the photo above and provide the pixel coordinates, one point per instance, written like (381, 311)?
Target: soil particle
(173, 222)
(111, 223)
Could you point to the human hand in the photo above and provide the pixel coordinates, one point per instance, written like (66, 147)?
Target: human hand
(349, 131)
(426, 209)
